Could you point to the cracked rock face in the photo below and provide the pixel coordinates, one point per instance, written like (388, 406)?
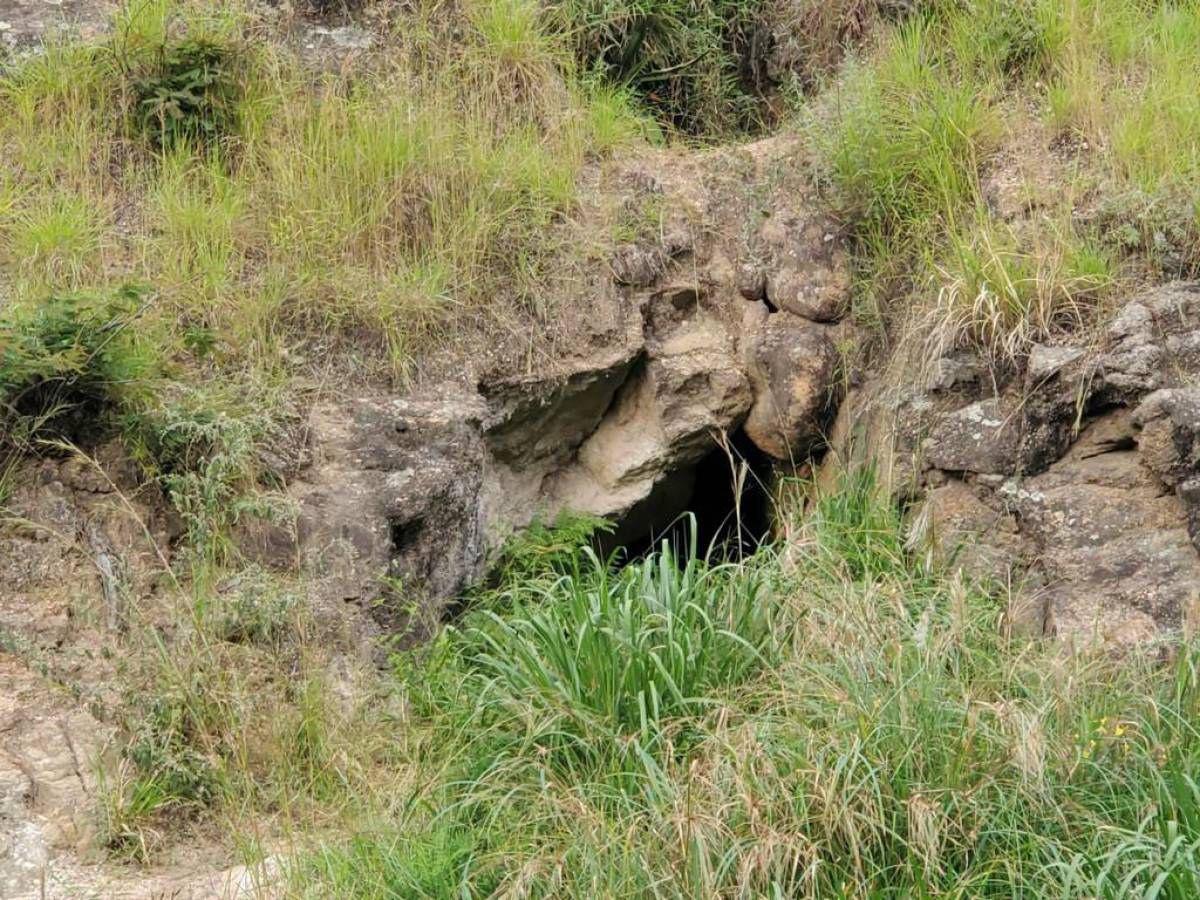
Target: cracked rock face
(1118, 562)
(1081, 476)
(47, 789)
(700, 329)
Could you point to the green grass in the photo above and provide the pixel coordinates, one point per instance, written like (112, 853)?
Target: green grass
(829, 718)
(274, 214)
(274, 207)
(68, 363)
(910, 131)
(844, 723)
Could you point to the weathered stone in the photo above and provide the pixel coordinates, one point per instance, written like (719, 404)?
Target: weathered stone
(793, 366)
(1046, 361)
(964, 532)
(1169, 441)
(1153, 342)
(955, 371)
(808, 274)
(394, 494)
(1118, 562)
(752, 281)
(532, 417)
(690, 389)
(48, 749)
(1059, 382)
(983, 437)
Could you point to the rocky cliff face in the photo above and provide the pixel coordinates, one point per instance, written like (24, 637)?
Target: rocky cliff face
(722, 315)
(1072, 476)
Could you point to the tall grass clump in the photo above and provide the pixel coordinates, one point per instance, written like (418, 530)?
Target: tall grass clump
(596, 653)
(1004, 291)
(1122, 78)
(1121, 82)
(913, 124)
(902, 149)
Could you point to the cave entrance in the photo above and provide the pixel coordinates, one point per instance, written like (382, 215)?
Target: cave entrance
(729, 494)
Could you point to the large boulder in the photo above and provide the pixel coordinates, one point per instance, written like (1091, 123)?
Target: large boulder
(1153, 342)
(805, 265)
(1114, 547)
(966, 527)
(793, 367)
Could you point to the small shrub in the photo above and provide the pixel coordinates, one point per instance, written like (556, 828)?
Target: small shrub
(202, 447)
(170, 765)
(257, 613)
(679, 57)
(70, 362)
(167, 749)
(186, 92)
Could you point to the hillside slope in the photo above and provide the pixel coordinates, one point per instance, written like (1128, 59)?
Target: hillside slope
(592, 448)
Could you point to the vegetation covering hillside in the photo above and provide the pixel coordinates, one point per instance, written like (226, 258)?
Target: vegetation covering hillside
(198, 229)
(836, 721)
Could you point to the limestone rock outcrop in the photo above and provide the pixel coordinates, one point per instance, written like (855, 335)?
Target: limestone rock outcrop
(48, 750)
(718, 318)
(1075, 473)
(793, 367)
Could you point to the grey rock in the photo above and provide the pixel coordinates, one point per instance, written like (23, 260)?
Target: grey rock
(1046, 361)
(1169, 440)
(752, 281)
(963, 531)
(1153, 342)
(1119, 565)
(957, 370)
(983, 437)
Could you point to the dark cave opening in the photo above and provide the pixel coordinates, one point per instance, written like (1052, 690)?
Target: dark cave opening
(729, 495)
